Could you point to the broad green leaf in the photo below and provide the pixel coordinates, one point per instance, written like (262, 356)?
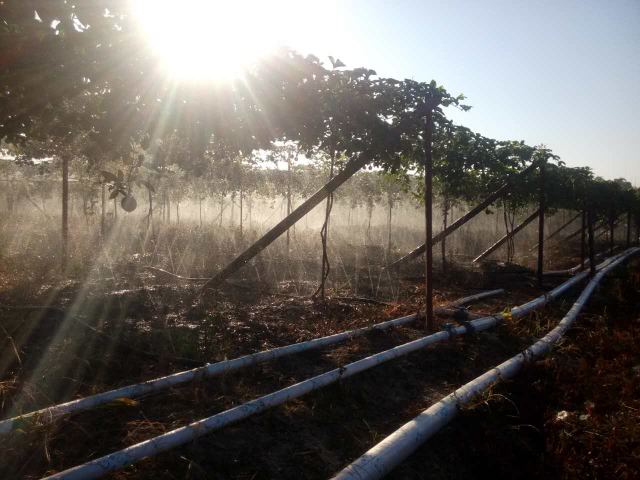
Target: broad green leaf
(109, 177)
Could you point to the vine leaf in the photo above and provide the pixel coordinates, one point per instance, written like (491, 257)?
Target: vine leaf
(108, 176)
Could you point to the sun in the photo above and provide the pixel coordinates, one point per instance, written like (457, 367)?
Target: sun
(209, 39)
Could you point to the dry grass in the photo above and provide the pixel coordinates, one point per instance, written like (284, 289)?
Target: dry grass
(56, 359)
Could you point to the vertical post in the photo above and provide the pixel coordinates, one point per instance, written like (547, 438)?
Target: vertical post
(288, 198)
(428, 210)
(629, 229)
(444, 239)
(584, 234)
(104, 212)
(65, 210)
(541, 225)
(612, 230)
(592, 252)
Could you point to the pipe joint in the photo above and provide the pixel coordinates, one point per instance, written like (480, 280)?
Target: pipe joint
(450, 328)
(470, 328)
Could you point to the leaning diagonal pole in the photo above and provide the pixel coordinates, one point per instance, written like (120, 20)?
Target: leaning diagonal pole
(349, 170)
(513, 232)
(467, 216)
(558, 230)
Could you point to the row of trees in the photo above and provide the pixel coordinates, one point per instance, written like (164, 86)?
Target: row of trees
(79, 83)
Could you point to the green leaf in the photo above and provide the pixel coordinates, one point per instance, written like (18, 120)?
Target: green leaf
(108, 176)
(114, 194)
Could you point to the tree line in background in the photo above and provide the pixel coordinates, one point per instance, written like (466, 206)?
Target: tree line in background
(79, 84)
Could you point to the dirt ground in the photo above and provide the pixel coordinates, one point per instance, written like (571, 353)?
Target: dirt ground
(574, 414)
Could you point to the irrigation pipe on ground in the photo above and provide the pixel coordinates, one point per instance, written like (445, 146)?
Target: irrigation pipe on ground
(207, 371)
(457, 309)
(386, 455)
(571, 271)
(220, 368)
(128, 456)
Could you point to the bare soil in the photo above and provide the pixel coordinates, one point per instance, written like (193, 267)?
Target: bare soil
(111, 327)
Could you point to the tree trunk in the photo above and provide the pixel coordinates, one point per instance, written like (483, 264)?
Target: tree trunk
(428, 210)
(583, 237)
(288, 200)
(150, 217)
(65, 210)
(350, 169)
(541, 199)
(444, 240)
(468, 216)
(200, 203)
(168, 210)
(177, 212)
(233, 205)
(10, 202)
(324, 234)
(390, 199)
(103, 213)
(221, 207)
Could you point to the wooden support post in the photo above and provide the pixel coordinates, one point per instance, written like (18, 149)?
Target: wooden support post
(103, 214)
(541, 197)
(612, 230)
(592, 250)
(559, 230)
(501, 242)
(481, 207)
(583, 237)
(349, 170)
(65, 210)
(428, 211)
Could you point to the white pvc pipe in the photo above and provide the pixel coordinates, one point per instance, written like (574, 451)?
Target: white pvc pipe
(386, 455)
(215, 369)
(476, 297)
(571, 271)
(109, 463)
(158, 384)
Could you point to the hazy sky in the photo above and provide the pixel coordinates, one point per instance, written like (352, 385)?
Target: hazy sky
(562, 73)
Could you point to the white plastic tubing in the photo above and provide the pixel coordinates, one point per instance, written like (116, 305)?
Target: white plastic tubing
(386, 455)
(212, 370)
(220, 368)
(476, 297)
(109, 463)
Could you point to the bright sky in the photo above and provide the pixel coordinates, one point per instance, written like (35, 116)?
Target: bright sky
(562, 73)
